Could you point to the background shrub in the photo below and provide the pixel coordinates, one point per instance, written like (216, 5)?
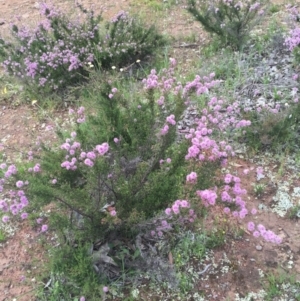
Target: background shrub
(230, 20)
(60, 50)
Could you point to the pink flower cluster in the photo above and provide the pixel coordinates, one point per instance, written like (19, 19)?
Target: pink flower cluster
(113, 92)
(11, 170)
(177, 205)
(80, 114)
(151, 81)
(74, 149)
(217, 118)
(200, 85)
(191, 178)
(178, 213)
(15, 206)
(171, 119)
(207, 196)
(267, 235)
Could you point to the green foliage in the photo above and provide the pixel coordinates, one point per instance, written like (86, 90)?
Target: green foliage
(278, 283)
(294, 212)
(191, 246)
(130, 177)
(278, 132)
(259, 189)
(72, 275)
(216, 239)
(2, 236)
(230, 20)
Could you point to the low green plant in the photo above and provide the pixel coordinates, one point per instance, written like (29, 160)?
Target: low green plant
(2, 236)
(259, 189)
(275, 131)
(274, 8)
(192, 245)
(294, 212)
(230, 20)
(72, 275)
(277, 284)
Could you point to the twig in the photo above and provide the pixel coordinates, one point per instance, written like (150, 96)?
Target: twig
(187, 46)
(205, 269)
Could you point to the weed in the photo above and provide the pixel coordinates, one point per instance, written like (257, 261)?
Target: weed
(276, 284)
(294, 212)
(2, 236)
(259, 189)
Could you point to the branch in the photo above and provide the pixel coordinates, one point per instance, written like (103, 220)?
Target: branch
(73, 209)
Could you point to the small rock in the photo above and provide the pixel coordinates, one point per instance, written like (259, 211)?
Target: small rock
(258, 247)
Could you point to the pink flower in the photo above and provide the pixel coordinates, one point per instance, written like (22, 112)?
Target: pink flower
(19, 184)
(184, 204)
(168, 211)
(246, 171)
(171, 119)
(152, 233)
(256, 234)
(5, 218)
(160, 101)
(80, 111)
(116, 140)
(105, 289)
(44, 228)
(168, 160)
(228, 178)
(164, 223)
(251, 226)
(82, 299)
(164, 130)
(91, 155)
(36, 168)
(2, 165)
(113, 213)
(175, 209)
(191, 212)
(89, 162)
(24, 215)
(261, 228)
(253, 211)
(102, 149)
(226, 210)
(192, 177)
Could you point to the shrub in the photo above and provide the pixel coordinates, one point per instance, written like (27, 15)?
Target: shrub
(231, 20)
(274, 130)
(60, 50)
(110, 173)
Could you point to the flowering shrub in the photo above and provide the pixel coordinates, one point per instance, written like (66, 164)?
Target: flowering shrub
(231, 20)
(125, 172)
(59, 51)
(293, 42)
